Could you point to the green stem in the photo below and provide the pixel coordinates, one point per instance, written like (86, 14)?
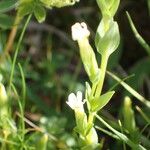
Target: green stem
(93, 89)
(102, 75)
(91, 118)
(17, 50)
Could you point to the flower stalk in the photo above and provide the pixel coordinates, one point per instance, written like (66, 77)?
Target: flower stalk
(106, 41)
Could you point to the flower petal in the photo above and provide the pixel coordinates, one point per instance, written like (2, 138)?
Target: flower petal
(79, 31)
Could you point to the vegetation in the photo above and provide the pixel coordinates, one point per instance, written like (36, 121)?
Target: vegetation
(104, 79)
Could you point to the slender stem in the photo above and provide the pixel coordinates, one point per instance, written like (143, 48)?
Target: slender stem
(102, 75)
(91, 118)
(17, 50)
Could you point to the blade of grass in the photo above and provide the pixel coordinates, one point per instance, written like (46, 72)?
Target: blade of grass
(22, 123)
(126, 78)
(130, 89)
(121, 136)
(138, 36)
(107, 132)
(9, 142)
(23, 86)
(143, 114)
(121, 128)
(17, 50)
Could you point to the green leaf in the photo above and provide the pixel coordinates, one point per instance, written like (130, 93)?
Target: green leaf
(5, 21)
(7, 5)
(40, 13)
(25, 9)
(100, 102)
(107, 42)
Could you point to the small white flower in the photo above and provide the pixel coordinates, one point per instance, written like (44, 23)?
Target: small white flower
(75, 101)
(79, 31)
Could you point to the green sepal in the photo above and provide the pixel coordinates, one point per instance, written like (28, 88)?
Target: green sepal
(88, 95)
(109, 7)
(88, 90)
(114, 7)
(89, 127)
(107, 37)
(100, 102)
(89, 59)
(103, 7)
(40, 13)
(81, 122)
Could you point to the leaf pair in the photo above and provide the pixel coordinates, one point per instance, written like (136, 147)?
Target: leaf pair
(30, 6)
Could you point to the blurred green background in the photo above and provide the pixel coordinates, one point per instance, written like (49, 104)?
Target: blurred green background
(52, 66)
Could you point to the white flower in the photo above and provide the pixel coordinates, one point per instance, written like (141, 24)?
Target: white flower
(79, 31)
(75, 101)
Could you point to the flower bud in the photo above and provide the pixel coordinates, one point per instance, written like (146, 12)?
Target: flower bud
(3, 101)
(128, 114)
(42, 144)
(107, 37)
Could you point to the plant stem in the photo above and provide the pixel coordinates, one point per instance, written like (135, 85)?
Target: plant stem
(102, 75)
(93, 89)
(91, 118)
(17, 50)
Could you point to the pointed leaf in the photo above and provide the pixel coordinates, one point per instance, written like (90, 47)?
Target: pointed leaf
(40, 13)
(100, 102)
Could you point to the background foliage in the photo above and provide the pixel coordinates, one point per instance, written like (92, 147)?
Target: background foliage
(52, 69)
